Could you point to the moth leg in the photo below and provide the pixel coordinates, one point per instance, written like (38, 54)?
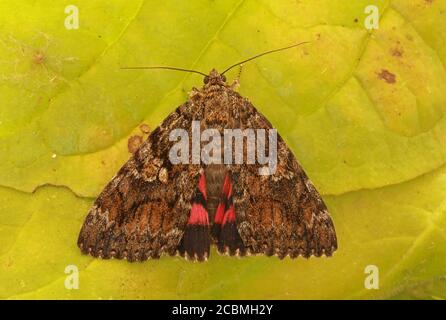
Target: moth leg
(229, 240)
(236, 82)
(196, 241)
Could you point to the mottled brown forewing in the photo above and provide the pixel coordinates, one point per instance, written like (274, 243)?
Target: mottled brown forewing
(280, 214)
(143, 211)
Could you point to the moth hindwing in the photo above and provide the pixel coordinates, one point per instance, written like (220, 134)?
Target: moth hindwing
(156, 206)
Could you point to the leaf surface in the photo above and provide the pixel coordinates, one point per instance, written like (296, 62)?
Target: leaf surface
(362, 110)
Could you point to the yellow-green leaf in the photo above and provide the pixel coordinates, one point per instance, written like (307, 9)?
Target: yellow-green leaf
(363, 110)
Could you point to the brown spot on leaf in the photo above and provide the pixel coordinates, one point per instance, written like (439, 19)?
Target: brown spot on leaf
(39, 57)
(133, 143)
(144, 128)
(387, 76)
(397, 52)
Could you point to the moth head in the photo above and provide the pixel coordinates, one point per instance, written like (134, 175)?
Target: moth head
(214, 78)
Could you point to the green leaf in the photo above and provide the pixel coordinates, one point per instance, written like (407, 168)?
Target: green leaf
(374, 147)
(429, 290)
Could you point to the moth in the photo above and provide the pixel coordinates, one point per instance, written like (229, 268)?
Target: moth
(153, 207)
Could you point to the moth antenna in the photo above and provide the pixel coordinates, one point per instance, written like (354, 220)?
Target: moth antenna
(166, 68)
(262, 54)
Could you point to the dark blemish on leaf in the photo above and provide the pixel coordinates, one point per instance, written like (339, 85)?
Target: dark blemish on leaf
(429, 2)
(39, 57)
(397, 52)
(144, 128)
(387, 76)
(356, 20)
(409, 37)
(134, 143)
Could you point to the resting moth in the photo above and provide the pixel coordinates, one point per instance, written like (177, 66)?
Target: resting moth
(153, 207)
